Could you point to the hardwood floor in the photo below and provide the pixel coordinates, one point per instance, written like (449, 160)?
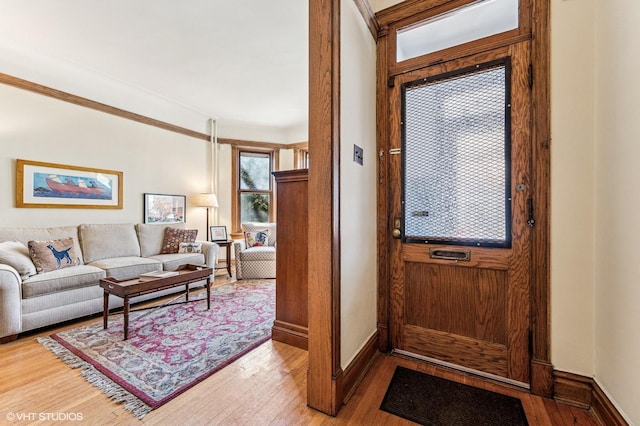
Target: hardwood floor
(265, 387)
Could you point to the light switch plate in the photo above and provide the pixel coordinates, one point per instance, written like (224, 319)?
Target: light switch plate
(358, 154)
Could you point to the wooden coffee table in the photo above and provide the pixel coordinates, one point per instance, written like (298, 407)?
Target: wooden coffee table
(127, 289)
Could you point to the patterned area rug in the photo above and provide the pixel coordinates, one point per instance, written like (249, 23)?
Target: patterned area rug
(170, 348)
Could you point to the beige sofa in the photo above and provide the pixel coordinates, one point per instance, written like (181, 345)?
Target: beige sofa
(123, 251)
(256, 262)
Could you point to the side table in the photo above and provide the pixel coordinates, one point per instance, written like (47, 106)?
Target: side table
(227, 264)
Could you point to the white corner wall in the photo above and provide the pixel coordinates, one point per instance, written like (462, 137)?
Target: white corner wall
(617, 282)
(357, 183)
(572, 185)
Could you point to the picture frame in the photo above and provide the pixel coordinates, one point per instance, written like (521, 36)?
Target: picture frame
(165, 208)
(218, 233)
(52, 185)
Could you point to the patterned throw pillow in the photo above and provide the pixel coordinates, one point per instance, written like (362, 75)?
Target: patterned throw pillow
(174, 236)
(256, 238)
(190, 248)
(53, 254)
(16, 254)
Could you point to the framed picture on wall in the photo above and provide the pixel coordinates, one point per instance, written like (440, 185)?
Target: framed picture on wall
(218, 233)
(165, 208)
(51, 185)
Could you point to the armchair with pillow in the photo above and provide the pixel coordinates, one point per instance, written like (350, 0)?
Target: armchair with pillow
(256, 253)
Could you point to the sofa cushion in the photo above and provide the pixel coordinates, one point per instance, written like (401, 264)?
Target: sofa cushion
(174, 236)
(16, 255)
(256, 226)
(105, 241)
(151, 236)
(124, 268)
(259, 253)
(51, 255)
(24, 235)
(61, 280)
(256, 238)
(171, 262)
(190, 248)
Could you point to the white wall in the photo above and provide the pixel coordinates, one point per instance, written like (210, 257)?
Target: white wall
(53, 72)
(39, 128)
(357, 183)
(572, 185)
(617, 282)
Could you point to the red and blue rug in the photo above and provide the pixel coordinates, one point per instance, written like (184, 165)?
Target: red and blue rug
(170, 348)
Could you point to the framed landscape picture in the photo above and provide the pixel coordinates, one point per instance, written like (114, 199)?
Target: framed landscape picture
(53, 185)
(218, 233)
(165, 208)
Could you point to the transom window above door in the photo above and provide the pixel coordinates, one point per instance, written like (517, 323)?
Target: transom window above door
(471, 22)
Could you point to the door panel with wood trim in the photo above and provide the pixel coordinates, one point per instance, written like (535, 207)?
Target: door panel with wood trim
(460, 268)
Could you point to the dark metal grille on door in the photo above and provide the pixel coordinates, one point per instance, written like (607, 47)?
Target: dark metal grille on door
(456, 157)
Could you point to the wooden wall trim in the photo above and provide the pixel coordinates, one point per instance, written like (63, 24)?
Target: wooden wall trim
(88, 103)
(383, 228)
(298, 145)
(572, 389)
(369, 16)
(359, 366)
(406, 9)
(324, 375)
(603, 408)
(541, 138)
(585, 392)
(255, 144)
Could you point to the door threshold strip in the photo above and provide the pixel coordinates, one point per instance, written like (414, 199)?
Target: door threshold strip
(463, 369)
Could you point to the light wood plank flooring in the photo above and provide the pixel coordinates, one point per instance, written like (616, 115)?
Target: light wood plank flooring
(265, 387)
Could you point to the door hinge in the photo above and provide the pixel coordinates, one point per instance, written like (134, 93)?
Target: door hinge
(530, 343)
(391, 81)
(531, 220)
(530, 76)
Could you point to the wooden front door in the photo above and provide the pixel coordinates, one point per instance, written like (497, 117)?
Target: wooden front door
(461, 212)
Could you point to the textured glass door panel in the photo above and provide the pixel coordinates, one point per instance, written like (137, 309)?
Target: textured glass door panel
(456, 139)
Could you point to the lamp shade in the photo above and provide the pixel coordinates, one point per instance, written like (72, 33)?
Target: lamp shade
(205, 200)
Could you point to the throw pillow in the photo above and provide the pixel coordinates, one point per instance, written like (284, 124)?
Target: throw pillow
(53, 254)
(174, 236)
(256, 238)
(16, 254)
(190, 248)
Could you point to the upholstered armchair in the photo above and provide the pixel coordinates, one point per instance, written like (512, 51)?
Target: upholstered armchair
(254, 258)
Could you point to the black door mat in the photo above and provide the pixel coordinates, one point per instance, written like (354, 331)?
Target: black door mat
(433, 401)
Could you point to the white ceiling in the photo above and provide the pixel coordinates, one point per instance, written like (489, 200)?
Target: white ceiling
(237, 60)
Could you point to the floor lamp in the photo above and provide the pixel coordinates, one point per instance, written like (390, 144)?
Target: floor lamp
(208, 201)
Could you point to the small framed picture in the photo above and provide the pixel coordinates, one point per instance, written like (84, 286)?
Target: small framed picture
(164, 208)
(218, 233)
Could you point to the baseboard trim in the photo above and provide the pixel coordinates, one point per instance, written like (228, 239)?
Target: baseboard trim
(604, 409)
(585, 392)
(291, 334)
(359, 366)
(7, 339)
